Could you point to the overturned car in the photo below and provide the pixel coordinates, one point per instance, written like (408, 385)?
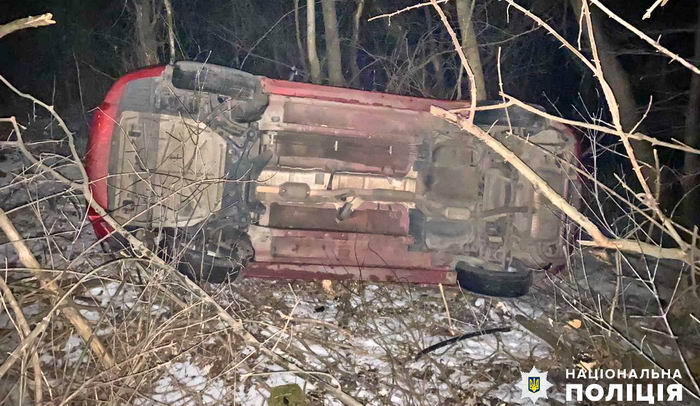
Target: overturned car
(235, 174)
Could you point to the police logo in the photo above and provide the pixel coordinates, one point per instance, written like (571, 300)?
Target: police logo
(534, 385)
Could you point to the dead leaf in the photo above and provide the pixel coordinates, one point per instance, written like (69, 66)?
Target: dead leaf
(328, 288)
(575, 323)
(587, 365)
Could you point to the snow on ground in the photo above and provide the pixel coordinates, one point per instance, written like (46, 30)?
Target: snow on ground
(362, 340)
(369, 347)
(183, 378)
(385, 326)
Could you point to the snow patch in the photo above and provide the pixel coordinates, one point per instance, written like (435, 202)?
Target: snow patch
(186, 383)
(73, 348)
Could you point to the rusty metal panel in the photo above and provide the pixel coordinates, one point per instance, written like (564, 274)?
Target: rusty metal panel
(318, 180)
(345, 153)
(320, 117)
(339, 248)
(363, 251)
(316, 218)
(378, 124)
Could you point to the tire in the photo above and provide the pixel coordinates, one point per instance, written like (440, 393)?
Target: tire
(505, 284)
(215, 256)
(231, 83)
(205, 268)
(193, 262)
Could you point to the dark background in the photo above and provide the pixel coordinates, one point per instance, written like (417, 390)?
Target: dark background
(73, 63)
(92, 44)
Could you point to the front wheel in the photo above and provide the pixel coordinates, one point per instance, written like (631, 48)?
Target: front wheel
(511, 283)
(214, 255)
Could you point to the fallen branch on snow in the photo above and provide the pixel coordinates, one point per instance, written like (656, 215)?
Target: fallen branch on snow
(457, 339)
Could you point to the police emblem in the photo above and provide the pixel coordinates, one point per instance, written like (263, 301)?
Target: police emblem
(534, 385)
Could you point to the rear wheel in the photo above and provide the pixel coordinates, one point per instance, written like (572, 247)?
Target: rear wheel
(244, 90)
(213, 255)
(515, 282)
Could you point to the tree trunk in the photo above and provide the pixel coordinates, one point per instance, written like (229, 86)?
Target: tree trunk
(438, 87)
(330, 25)
(691, 163)
(170, 26)
(465, 10)
(145, 27)
(314, 64)
(354, 68)
(619, 81)
(300, 44)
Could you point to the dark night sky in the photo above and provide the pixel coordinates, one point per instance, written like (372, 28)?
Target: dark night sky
(92, 40)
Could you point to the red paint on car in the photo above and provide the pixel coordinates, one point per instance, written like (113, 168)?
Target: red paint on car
(99, 145)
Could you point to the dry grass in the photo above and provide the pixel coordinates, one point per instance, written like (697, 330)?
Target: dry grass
(170, 347)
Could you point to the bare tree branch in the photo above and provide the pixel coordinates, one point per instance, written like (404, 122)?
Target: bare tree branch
(24, 330)
(403, 10)
(541, 186)
(512, 101)
(654, 43)
(27, 22)
(473, 96)
(67, 307)
(171, 30)
(653, 7)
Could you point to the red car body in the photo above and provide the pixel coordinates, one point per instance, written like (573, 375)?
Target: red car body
(348, 140)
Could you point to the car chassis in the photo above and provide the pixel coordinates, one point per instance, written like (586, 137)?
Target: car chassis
(242, 174)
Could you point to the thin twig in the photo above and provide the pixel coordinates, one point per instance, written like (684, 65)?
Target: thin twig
(24, 330)
(473, 97)
(453, 340)
(447, 309)
(653, 7)
(405, 9)
(654, 43)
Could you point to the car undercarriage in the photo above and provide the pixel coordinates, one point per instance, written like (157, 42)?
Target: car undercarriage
(289, 180)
